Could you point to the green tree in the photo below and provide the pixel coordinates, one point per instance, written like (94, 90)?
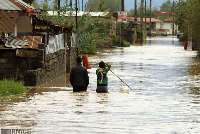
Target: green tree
(102, 5)
(188, 19)
(148, 12)
(167, 6)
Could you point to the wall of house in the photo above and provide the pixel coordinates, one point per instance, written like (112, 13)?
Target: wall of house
(15, 62)
(52, 73)
(24, 24)
(168, 26)
(8, 64)
(158, 25)
(12, 21)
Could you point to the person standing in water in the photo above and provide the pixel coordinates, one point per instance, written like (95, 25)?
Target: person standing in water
(79, 78)
(102, 78)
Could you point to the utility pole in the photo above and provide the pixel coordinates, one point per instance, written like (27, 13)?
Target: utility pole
(70, 4)
(135, 10)
(76, 4)
(173, 10)
(122, 5)
(121, 33)
(150, 6)
(141, 19)
(145, 12)
(76, 35)
(58, 7)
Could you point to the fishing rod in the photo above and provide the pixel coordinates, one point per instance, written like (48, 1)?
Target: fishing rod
(120, 79)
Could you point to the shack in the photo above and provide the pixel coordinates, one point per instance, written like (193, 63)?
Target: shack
(35, 51)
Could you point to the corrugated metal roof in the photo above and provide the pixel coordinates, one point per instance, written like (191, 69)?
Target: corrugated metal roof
(25, 4)
(23, 42)
(22, 5)
(7, 5)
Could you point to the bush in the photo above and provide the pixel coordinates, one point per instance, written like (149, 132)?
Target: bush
(11, 87)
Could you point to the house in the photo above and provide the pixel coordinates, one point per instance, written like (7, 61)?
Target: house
(168, 26)
(15, 16)
(33, 50)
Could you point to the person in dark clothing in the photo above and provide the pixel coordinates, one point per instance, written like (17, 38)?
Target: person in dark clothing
(79, 78)
(102, 78)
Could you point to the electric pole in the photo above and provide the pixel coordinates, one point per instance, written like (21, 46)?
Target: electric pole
(122, 5)
(141, 19)
(173, 11)
(58, 7)
(145, 11)
(150, 6)
(135, 10)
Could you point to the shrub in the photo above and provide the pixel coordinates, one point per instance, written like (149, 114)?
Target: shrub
(11, 87)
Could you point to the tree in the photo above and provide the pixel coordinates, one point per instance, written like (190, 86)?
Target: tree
(45, 5)
(188, 19)
(102, 5)
(166, 6)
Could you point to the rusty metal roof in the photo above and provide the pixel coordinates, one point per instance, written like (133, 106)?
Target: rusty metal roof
(8, 5)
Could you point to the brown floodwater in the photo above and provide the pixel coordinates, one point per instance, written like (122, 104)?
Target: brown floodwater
(164, 99)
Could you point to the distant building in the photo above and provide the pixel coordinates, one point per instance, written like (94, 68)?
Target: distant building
(79, 13)
(167, 26)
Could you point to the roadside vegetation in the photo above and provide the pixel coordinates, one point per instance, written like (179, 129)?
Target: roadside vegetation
(11, 88)
(188, 19)
(93, 33)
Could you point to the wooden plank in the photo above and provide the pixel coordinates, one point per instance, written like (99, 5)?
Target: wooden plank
(28, 53)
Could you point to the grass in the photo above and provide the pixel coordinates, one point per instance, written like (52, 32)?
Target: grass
(11, 87)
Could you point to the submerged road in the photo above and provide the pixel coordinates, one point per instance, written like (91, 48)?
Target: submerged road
(165, 96)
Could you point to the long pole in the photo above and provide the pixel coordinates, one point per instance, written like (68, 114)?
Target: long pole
(121, 79)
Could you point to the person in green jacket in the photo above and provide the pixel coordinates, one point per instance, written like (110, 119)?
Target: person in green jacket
(102, 78)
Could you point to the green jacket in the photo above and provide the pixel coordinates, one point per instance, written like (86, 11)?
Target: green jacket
(102, 78)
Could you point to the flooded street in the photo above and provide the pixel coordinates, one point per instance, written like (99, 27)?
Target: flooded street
(165, 96)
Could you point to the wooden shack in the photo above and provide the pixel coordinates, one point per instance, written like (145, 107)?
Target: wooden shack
(34, 51)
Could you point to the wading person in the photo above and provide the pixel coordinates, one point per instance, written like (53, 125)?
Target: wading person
(79, 78)
(102, 78)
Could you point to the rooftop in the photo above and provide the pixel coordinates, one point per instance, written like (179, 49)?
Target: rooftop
(8, 5)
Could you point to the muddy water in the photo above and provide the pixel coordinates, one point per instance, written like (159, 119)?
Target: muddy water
(164, 99)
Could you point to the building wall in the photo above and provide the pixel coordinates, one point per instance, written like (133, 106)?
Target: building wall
(15, 62)
(168, 26)
(24, 24)
(12, 21)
